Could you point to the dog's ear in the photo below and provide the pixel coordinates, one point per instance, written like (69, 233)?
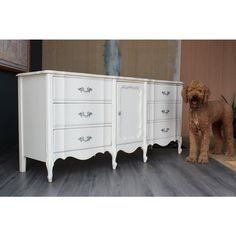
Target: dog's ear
(184, 94)
(206, 94)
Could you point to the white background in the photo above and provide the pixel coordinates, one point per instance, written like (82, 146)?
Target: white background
(123, 19)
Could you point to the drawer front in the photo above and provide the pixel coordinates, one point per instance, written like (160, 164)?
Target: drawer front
(165, 92)
(81, 114)
(161, 111)
(82, 89)
(161, 130)
(77, 139)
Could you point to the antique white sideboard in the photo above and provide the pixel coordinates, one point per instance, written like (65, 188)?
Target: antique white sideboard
(64, 114)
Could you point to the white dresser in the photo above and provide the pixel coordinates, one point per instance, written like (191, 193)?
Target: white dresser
(64, 114)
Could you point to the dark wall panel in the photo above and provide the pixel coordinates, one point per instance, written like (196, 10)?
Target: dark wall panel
(9, 99)
(36, 55)
(8, 117)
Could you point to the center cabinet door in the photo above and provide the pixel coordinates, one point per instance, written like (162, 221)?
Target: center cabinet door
(129, 112)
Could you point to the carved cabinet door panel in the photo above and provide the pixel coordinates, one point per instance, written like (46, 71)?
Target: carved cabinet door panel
(129, 112)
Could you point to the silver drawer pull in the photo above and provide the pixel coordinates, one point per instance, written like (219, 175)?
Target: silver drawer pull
(82, 114)
(165, 92)
(82, 90)
(81, 139)
(165, 130)
(165, 111)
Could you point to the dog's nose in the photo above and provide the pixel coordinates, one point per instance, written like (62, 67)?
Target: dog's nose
(194, 97)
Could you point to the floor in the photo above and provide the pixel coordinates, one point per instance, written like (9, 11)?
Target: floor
(165, 174)
(228, 162)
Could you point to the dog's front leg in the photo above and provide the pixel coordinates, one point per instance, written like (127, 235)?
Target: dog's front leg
(193, 146)
(203, 157)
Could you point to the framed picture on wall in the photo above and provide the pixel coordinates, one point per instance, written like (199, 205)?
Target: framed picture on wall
(14, 55)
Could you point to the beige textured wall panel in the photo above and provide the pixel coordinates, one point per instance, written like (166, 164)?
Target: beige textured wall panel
(74, 55)
(128, 51)
(155, 59)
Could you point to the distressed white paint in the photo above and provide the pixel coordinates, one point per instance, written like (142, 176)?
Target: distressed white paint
(65, 114)
(129, 111)
(112, 57)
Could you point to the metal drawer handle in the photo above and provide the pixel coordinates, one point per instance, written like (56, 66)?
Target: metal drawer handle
(165, 111)
(82, 114)
(82, 90)
(165, 92)
(165, 130)
(81, 139)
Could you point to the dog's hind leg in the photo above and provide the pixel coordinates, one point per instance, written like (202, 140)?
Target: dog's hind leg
(218, 139)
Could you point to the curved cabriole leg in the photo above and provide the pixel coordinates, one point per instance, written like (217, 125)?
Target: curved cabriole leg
(179, 145)
(145, 153)
(114, 163)
(50, 171)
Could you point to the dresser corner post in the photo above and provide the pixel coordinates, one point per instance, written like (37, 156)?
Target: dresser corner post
(145, 157)
(22, 158)
(114, 124)
(49, 127)
(179, 139)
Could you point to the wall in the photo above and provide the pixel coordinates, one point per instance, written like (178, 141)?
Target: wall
(9, 115)
(9, 100)
(212, 61)
(155, 59)
(74, 55)
(151, 59)
(36, 55)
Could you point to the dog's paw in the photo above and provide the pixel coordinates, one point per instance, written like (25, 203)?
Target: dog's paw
(229, 154)
(191, 159)
(216, 151)
(203, 159)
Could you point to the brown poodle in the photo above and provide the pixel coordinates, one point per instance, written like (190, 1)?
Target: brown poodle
(203, 116)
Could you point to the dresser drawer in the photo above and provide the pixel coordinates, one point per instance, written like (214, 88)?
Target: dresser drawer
(77, 139)
(161, 111)
(159, 130)
(81, 114)
(82, 89)
(165, 92)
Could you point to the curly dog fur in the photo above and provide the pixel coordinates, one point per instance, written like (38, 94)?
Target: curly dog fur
(204, 115)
